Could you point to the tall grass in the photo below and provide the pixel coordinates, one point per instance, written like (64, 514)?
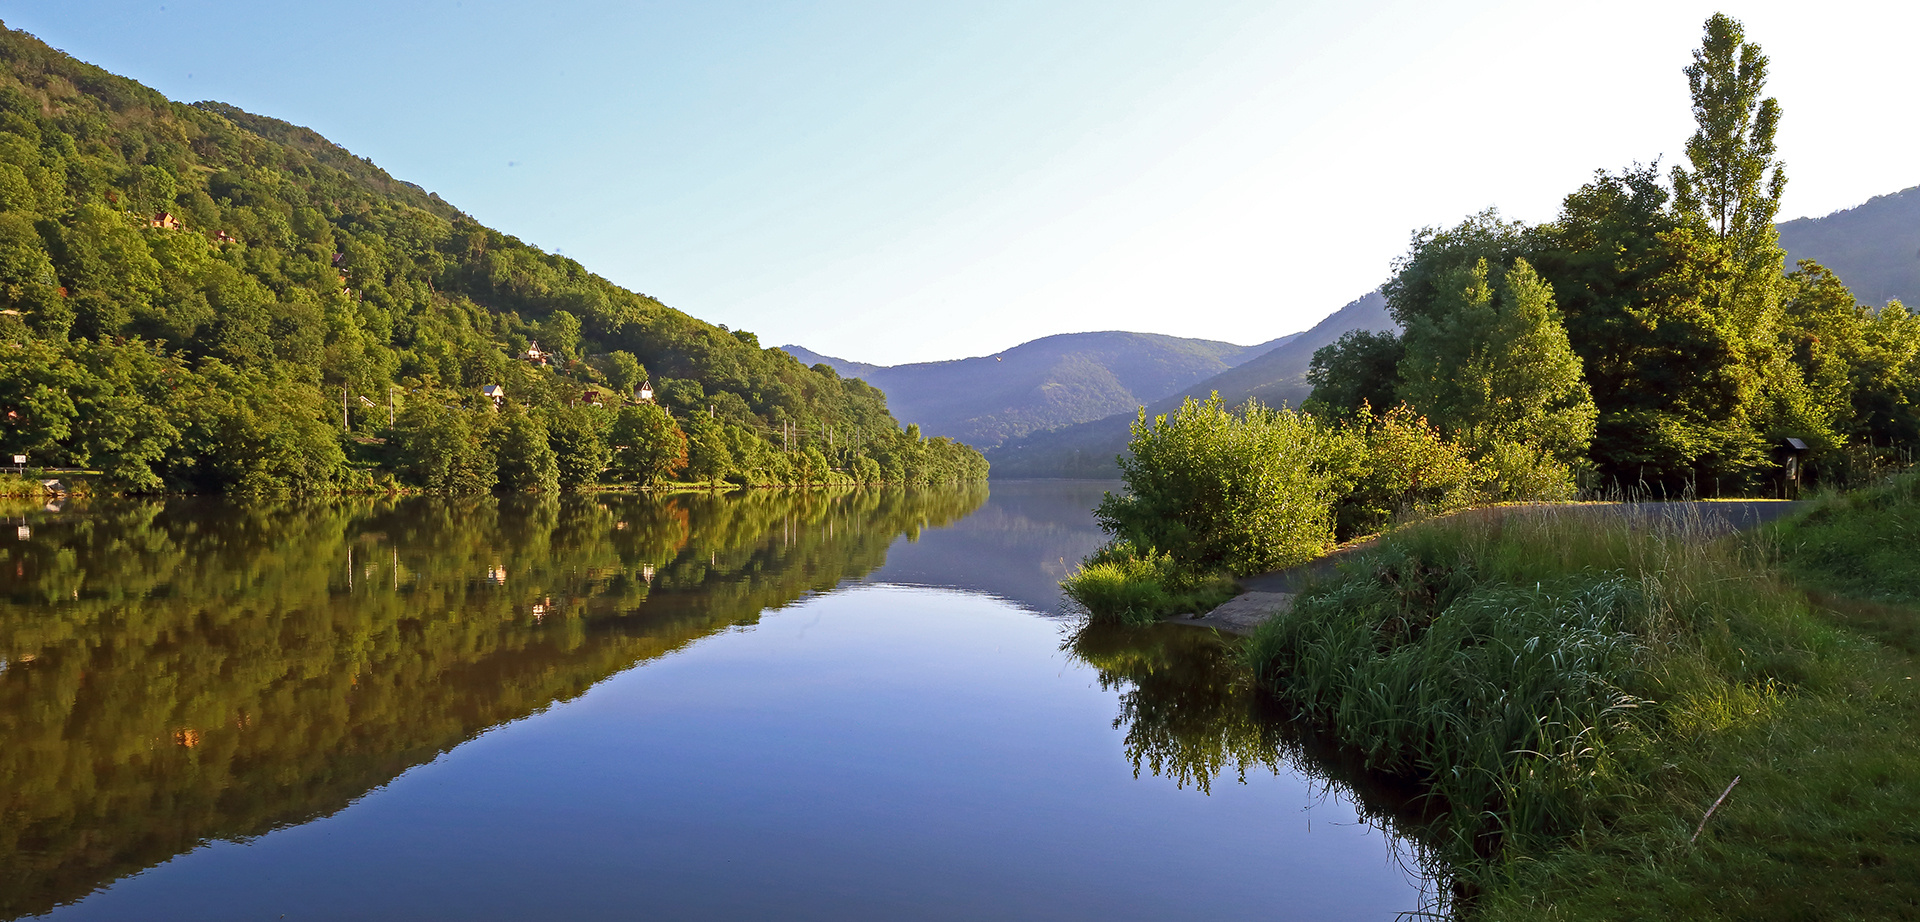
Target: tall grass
(1120, 584)
(1537, 671)
(1864, 544)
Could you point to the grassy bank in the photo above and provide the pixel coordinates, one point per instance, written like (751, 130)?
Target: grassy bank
(1574, 691)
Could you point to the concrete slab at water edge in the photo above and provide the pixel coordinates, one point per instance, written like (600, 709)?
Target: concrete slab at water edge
(1242, 613)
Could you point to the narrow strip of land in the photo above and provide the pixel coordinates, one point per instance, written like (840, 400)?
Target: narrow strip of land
(1268, 594)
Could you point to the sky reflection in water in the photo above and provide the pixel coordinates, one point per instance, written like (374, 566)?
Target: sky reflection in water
(888, 750)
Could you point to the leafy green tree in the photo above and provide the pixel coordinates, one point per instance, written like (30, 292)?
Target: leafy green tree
(1494, 365)
(648, 448)
(27, 280)
(1360, 369)
(1886, 378)
(1663, 353)
(1735, 181)
(624, 373)
(37, 383)
(579, 444)
(526, 459)
(1398, 465)
(708, 456)
(441, 449)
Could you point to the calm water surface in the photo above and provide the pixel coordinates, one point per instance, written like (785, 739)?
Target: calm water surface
(852, 706)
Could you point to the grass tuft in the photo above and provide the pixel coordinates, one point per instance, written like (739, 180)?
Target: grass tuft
(1121, 584)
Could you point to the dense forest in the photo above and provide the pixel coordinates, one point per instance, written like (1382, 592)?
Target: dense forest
(195, 298)
(1651, 338)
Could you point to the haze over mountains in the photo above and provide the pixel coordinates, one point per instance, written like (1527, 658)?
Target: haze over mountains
(1061, 406)
(1874, 247)
(1043, 384)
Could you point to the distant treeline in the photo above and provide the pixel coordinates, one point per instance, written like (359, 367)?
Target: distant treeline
(196, 298)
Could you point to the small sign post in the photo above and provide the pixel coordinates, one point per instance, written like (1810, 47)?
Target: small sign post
(20, 462)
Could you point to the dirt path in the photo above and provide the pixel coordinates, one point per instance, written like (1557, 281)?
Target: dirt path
(1269, 594)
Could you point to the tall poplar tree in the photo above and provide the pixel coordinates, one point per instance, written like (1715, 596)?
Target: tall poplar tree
(1735, 181)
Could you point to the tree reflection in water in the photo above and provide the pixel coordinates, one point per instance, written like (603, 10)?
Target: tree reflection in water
(179, 670)
(1191, 714)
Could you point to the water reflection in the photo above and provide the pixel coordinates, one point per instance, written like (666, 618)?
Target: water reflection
(1190, 713)
(182, 670)
(1018, 546)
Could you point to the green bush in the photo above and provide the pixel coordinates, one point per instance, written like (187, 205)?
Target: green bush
(1403, 466)
(1243, 491)
(1123, 584)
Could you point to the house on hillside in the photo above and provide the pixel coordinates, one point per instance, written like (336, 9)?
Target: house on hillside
(495, 393)
(534, 354)
(223, 237)
(644, 393)
(164, 220)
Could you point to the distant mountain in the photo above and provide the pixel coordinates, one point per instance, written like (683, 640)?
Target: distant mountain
(1276, 376)
(843, 367)
(1049, 382)
(1874, 248)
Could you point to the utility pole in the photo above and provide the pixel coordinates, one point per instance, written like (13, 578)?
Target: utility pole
(345, 425)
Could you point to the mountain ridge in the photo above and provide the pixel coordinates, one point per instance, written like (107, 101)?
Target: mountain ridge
(1275, 377)
(1044, 383)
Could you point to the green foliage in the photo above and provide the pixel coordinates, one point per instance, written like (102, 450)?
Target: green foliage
(579, 444)
(1732, 150)
(648, 448)
(1672, 379)
(440, 448)
(1124, 584)
(1399, 467)
(1497, 370)
(524, 456)
(1361, 368)
(1243, 491)
(192, 288)
(624, 372)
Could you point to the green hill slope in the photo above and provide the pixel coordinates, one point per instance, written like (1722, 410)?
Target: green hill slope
(1875, 246)
(1046, 383)
(1275, 376)
(195, 297)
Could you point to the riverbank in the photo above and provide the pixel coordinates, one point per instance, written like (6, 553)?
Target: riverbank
(1576, 691)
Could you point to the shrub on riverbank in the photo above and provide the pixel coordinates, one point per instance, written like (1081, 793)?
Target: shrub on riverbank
(1213, 493)
(1120, 583)
(1574, 690)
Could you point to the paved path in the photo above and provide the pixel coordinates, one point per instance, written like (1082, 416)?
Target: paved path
(1269, 594)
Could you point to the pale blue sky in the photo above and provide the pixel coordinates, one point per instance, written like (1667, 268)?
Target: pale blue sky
(896, 182)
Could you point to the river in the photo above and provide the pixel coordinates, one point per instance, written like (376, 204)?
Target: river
(855, 705)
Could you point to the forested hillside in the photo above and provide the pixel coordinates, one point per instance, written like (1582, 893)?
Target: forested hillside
(202, 299)
(1046, 383)
(1874, 246)
(1276, 376)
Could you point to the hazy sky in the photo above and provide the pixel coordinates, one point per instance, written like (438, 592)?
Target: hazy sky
(905, 181)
